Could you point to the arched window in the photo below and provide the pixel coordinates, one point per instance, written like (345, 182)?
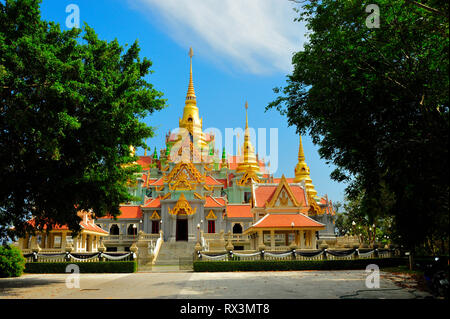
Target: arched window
(237, 229)
(132, 230)
(114, 230)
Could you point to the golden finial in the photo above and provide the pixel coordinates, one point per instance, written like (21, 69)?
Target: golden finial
(246, 115)
(301, 154)
(190, 93)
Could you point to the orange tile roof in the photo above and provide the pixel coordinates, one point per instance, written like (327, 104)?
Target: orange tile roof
(145, 161)
(86, 223)
(239, 211)
(286, 220)
(93, 228)
(158, 182)
(153, 202)
(299, 194)
(263, 194)
(288, 179)
(212, 181)
(214, 201)
(127, 212)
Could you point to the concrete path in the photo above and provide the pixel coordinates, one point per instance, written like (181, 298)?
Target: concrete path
(189, 285)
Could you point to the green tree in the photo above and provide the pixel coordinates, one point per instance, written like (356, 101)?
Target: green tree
(12, 263)
(70, 109)
(376, 102)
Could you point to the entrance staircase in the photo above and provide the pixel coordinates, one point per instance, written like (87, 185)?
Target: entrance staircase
(175, 253)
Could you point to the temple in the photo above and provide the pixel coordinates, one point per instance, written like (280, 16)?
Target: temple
(189, 192)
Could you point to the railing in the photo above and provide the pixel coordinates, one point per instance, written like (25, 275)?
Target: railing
(238, 237)
(119, 238)
(158, 245)
(288, 254)
(78, 257)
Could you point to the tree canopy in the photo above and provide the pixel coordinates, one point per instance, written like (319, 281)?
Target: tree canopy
(71, 106)
(376, 102)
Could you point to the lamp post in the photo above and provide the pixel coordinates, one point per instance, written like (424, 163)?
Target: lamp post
(134, 231)
(198, 233)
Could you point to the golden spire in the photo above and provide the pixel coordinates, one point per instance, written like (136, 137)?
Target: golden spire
(249, 163)
(191, 120)
(190, 93)
(302, 172)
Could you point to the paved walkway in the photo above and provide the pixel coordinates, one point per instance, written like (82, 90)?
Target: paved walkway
(189, 285)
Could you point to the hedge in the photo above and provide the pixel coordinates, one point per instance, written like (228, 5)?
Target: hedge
(270, 265)
(85, 267)
(12, 262)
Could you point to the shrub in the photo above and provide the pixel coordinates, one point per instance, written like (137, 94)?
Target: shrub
(12, 263)
(85, 267)
(271, 265)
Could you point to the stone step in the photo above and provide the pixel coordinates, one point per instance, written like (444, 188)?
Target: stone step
(171, 253)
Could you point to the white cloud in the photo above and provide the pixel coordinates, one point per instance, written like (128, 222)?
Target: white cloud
(256, 36)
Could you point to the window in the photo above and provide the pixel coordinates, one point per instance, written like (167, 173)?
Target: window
(211, 226)
(132, 230)
(237, 229)
(114, 230)
(155, 226)
(57, 241)
(247, 196)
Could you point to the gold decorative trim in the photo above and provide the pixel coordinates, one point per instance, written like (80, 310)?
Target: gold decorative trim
(211, 215)
(155, 215)
(283, 199)
(182, 207)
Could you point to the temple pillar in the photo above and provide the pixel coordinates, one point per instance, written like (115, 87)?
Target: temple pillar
(272, 239)
(297, 238)
(314, 240)
(260, 237)
(63, 240)
(302, 239)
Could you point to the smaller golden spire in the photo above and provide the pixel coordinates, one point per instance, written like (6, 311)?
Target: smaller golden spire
(249, 163)
(302, 172)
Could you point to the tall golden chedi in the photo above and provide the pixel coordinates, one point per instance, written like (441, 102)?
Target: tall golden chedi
(302, 172)
(191, 120)
(248, 165)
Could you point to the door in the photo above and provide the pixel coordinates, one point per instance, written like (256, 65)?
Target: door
(182, 229)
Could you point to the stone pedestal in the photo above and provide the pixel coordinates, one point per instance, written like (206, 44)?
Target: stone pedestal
(144, 258)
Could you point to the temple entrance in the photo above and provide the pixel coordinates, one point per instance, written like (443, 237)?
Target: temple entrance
(182, 229)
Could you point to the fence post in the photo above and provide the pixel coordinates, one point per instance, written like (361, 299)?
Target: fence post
(229, 247)
(197, 251)
(293, 247)
(261, 248)
(324, 247)
(375, 248)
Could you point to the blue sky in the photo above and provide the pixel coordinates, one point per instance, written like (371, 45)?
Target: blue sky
(242, 50)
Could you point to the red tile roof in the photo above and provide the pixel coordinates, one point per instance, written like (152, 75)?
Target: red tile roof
(214, 201)
(263, 194)
(285, 221)
(158, 182)
(153, 202)
(127, 212)
(288, 179)
(92, 227)
(86, 223)
(212, 181)
(145, 161)
(239, 211)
